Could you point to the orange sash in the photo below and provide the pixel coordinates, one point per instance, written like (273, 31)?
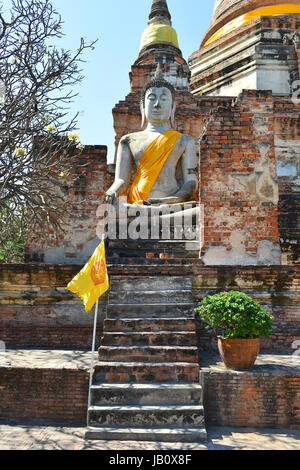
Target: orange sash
(150, 166)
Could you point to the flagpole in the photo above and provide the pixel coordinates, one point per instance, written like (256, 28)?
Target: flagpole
(93, 354)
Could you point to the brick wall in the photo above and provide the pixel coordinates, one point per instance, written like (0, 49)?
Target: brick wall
(285, 115)
(237, 399)
(287, 138)
(37, 311)
(239, 189)
(78, 237)
(277, 288)
(51, 396)
(231, 151)
(262, 400)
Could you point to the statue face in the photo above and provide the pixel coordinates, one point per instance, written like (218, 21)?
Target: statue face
(158, 105)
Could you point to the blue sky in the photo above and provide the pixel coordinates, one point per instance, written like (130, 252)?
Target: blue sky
(119, 24)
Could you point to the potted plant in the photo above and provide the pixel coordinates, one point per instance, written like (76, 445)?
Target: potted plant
(241, 321)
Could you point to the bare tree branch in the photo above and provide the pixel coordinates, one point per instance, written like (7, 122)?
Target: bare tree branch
(38, 146)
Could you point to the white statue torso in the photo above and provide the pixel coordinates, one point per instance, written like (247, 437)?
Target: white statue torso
(166, 182)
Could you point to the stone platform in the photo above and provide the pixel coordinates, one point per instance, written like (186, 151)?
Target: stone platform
(266, 396)
(51, 387)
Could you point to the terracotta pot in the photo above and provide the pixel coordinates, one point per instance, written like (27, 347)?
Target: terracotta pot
(238, 354)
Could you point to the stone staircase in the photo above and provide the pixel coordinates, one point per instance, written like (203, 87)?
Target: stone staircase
(146, 383)
(151, 249)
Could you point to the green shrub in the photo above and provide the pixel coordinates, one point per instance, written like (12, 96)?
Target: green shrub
(236, 314)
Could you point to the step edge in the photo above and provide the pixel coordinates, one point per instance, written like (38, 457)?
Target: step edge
(144, 332)
(147, 430)
(152, 347)
(145, 408)
(145, 386)
(151, 318)
(141, 363)
(153, 303)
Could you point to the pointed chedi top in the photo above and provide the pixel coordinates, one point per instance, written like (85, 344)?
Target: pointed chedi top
(160, 12)
(159, 29)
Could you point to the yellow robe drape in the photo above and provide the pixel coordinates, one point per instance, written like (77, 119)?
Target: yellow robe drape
(150, 166)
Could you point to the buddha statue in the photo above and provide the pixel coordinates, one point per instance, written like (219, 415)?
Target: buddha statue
(155, 154)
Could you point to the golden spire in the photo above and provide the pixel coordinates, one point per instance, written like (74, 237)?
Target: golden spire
(159, 29)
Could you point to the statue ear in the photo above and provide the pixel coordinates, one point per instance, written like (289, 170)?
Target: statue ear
(142, 108)
(172, 118)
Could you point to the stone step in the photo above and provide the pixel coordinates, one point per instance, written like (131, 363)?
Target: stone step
(161, 338)
(143, 254)
(172, 244)
(151, 434)
(149, 324)
(146, 372)
(146, 394)
(150, 283)
(149, 297)
(146, 415)
(149, 353)
(158, 246)
(178, 261)
(153, 310)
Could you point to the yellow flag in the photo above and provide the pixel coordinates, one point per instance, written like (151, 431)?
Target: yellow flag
(92, 281)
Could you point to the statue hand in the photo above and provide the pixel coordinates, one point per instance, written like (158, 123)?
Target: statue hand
(111, 197)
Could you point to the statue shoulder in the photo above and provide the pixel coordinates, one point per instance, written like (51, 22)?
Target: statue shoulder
(130, 138)
(125, 140)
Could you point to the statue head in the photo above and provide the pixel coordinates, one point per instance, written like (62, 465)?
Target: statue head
(158, 102)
